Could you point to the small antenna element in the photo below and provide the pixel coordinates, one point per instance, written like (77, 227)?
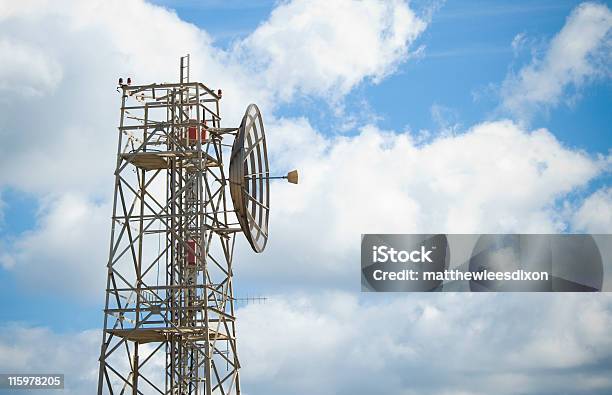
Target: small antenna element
(184, 70)
(292, 177)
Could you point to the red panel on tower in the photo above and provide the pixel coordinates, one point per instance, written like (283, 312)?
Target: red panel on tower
(191, 256)
(193, 134)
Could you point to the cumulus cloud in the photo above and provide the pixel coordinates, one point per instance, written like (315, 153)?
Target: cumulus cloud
(579, 53)
(450, 184)
(595, 213)
(65, 152)
(65, 253)
(26, 349)
(49, 52)
(59, 144)
(335, 343)
(31, 349)
(27, 70)
(427, 344)
(328, 47)
(63, 140)
(495, 177)
(372, 181)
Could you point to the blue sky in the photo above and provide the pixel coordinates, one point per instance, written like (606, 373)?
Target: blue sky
(467, 54)
(454, 82)
(440, 96)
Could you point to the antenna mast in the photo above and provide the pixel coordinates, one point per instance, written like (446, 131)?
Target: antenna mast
(169, 322)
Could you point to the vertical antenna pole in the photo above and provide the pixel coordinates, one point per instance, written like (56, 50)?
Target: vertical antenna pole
(184, 73)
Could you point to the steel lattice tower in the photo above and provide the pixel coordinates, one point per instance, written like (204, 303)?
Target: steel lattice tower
(169, 322)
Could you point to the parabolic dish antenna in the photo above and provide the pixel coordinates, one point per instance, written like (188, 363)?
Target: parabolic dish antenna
(250, 179)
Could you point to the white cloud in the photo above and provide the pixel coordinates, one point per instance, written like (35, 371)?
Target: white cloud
(328, 47)
(66, 252)
(335, 343)
(25, 349)
(374, 181)
(27, 70)
(579, 53)
(70, 55)
(595, 213)
(61, 144)
(495, 177)
(451, 184)
(30, 349)
(64, 140)
(426, 344)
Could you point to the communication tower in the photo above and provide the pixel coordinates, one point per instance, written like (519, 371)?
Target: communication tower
(169, 317)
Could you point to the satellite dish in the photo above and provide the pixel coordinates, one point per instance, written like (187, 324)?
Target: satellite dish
(250, 179)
